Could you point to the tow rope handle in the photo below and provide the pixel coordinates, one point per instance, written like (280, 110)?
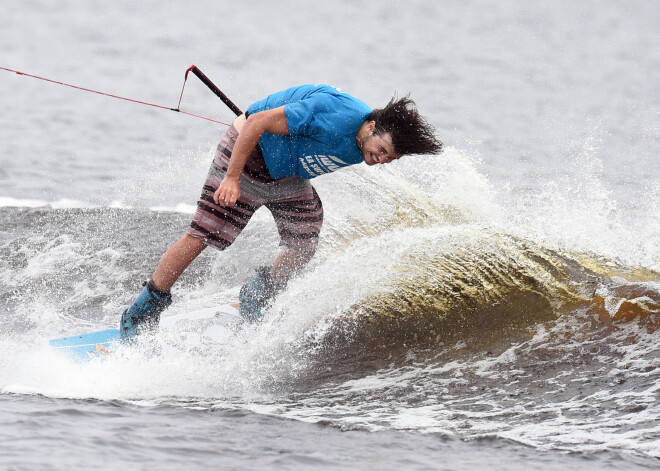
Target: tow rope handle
(206, 81)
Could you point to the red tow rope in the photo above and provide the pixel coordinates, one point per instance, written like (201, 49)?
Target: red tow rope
(193, 68)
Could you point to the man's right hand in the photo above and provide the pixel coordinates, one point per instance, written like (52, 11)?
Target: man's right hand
(271, 121)
(228, 192)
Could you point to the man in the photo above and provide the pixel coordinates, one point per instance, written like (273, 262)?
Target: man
(267, 158)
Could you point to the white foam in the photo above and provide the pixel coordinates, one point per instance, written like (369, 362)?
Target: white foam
(182, 208)
(118, 204)
(64, 203)
(7, 202)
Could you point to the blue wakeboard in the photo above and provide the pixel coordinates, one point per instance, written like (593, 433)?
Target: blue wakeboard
(87, 346)
(92, 345)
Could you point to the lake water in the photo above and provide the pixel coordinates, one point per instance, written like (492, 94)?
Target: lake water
(494, 307)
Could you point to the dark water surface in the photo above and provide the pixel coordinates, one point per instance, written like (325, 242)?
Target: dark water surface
(105, 435)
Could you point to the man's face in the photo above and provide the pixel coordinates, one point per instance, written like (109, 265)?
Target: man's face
(378, 149)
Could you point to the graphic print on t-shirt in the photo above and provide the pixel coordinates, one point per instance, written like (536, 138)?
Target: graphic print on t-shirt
(320, 164)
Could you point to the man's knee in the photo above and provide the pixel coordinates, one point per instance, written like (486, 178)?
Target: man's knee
(303, 256)
(302, 251)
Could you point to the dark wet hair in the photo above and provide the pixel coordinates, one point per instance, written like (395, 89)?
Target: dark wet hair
(411, 133)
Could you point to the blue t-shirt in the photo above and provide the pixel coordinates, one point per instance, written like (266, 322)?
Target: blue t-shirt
(323, 123)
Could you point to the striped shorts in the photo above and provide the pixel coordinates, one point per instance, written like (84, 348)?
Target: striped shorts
(293, 201)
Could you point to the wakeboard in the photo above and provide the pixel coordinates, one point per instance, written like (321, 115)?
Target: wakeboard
(84, 347)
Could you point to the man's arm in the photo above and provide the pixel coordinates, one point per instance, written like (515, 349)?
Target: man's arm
(272, 121)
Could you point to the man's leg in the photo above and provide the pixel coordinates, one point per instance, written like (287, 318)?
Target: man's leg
(176, 260)
(288, 262)
(267, 282)
(299, 218)
(216, 225)
(144, 313)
